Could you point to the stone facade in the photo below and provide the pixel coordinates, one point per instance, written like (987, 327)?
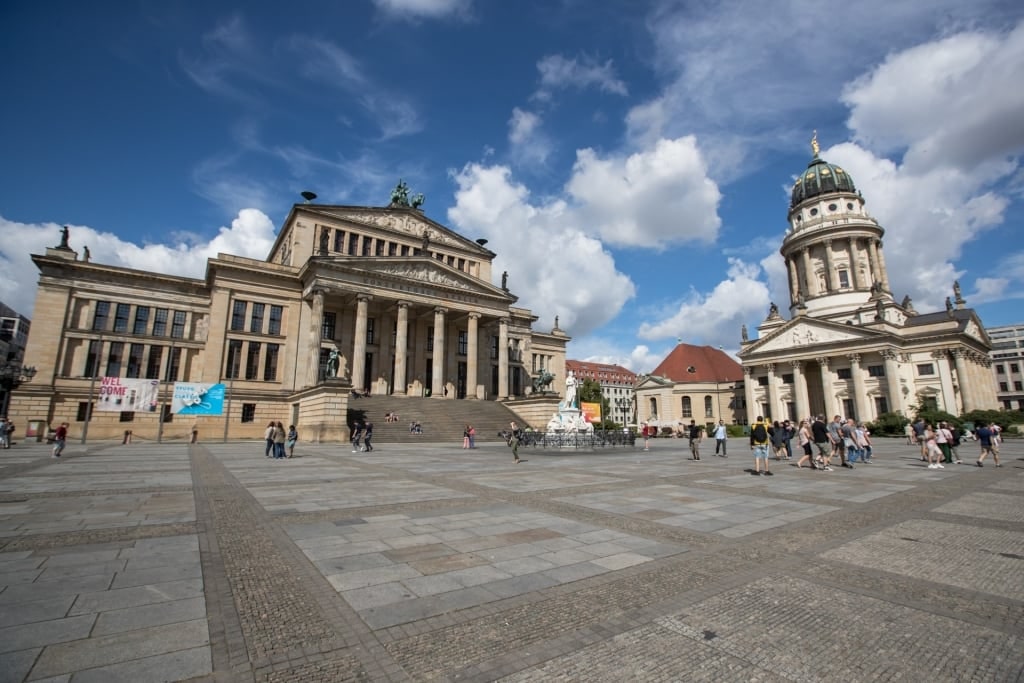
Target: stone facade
(406, 304)
(698, 383)
(849, 348)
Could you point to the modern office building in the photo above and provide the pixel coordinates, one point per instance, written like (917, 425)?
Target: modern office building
(1008, 364)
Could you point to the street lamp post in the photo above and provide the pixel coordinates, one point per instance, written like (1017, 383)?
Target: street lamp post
(12, 375)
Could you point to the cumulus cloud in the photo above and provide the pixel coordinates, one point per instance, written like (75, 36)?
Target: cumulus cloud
(560, 73)
(654, 198)
(528, 143)
(554, 266)
(424, 9)
(250, 234)
(640, 359)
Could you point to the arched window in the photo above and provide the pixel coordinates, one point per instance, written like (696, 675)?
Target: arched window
(709, 409)
(687, 407)
(653, 408)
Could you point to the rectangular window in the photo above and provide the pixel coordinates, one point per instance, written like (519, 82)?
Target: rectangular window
(114, 359)
(762, 381)
(924, 369)
(83, 411)
(367, 245)
(1014, 367)
(787, 379)
(844, 279)
(274, 326)
(329, 325)
(1018, 386)
(493, 347)
(156, 354)
(379, 248)
(850, 409)
(160, 323)
(135, 360)
(234, 358)
(1000, 369)
(238, 315)
(248, 412)
(370, 334)
(339, 241)
(876, 371)
(844, 373)
(929, 403)
(174, 365)
(141, 320)
(353, 243)
(178, 325)
(270, 363)
(405, 250)
(430, 339)
(92, 358)
(881, 405)
(127, 416)
(1004, 386)
(463, 342)
(252, 361)
(392, 249)
(100, 315)
(256, 321)
(121, 317)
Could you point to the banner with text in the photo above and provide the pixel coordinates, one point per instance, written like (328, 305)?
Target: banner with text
(591, 411)
(191, 398)
(124, 395)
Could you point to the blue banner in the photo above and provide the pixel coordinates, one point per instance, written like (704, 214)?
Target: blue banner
(191, 398)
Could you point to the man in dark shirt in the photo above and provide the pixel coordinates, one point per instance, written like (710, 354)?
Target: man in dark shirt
(984, 436)
(820, 434)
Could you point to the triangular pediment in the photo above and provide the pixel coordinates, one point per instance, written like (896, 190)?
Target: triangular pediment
(403, 221)
(801, 333)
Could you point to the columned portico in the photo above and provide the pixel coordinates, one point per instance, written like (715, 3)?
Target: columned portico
(359, 343)
(437, 360)
(503, 358)
(749, 395)
(892, 380)
(401, 347)
(946, 381)
(964, 381)
(773, 393)
(860, 396)
(472, 332)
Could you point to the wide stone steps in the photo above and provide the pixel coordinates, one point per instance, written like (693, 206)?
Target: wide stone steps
(442, 420)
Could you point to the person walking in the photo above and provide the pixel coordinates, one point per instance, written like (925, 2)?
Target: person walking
(60, 439)
(280, 437)
(932, 449)
(472, 436)
(268, 436)
(838, 445)
(6, 429)
(823, 442)
(695, 433)
(368, 436)
(985, 436)
(721, 436)
(513, 440)
(646, 433)
(943, 437)
(803, 439)
(293, 436)
(759, 441)
(357, 435)
(465, 437)
(778, 437)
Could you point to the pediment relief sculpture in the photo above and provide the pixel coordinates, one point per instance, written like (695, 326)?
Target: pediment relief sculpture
(400, 222)
(422, 273)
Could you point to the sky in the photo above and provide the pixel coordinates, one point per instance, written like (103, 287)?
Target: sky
(629, 162)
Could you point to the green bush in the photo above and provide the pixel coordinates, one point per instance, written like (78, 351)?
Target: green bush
(1003, 418)
(888, 424)
(934, 417)
(736, 431)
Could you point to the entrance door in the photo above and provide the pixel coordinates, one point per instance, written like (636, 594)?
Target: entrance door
(460, 380)
(367, 371)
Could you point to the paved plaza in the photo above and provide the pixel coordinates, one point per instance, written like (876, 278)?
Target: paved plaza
(211, 562)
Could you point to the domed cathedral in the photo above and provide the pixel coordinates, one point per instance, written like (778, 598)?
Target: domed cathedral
(848, 348)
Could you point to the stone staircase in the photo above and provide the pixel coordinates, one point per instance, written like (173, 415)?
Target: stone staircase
(442, 420)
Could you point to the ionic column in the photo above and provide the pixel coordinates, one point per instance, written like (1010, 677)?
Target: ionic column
(800, 391)
(401, 347)
(873, 260)
(881, 265)
(748, 393)
(359, 343)
(313, 344)
(794, 281)
(946, 381)
(471, 354)
(503, 358)
(773, 391)
(892, 381)
(810, 282)
(831, 276)
(437, 365)
(854, 277)
(828, 380)
(860, 393)
(963, 380)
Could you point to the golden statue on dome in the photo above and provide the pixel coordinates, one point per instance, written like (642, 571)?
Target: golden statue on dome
(814, 144)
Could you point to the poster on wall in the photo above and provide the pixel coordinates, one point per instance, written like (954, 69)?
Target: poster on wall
(591, 411)
(192, 398)
(124, 395)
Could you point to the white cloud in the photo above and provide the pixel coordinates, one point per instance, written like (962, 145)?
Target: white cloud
(715, 317)
(529, 145)
(640, 359)
(655, 198)
(559, 73)
(424, 9)
(554, 267)
(250, 234)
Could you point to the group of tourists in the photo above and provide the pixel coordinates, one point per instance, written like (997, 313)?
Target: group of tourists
(278, 440)
(362, 436)
(469, 437)
(940, 443)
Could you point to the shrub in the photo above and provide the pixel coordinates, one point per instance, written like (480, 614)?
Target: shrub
(1003, 418)
(934, 417)
(735, 431)
(888, 424)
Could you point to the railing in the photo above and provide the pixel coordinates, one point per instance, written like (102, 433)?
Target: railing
(588, 440)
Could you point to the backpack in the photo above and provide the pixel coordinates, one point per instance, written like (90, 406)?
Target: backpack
(759, 434)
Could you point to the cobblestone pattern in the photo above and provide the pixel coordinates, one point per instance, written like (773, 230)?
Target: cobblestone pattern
(338, 670)
(112, 535)
(21, 498)
(995, 506)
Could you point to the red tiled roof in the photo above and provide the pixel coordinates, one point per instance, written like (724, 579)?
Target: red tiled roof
(689, 363)
(604, 373)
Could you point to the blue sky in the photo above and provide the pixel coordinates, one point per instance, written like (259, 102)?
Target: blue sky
(629, 162)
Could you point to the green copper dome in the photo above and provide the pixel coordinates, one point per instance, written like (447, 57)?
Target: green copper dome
(820, 178)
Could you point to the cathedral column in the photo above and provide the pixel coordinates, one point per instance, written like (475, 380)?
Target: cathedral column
(437, 365)
(881, 265)
(946, 381)
(860, 392)
(831, 276)
(503, 358)
(471, 355)
(966, 389)
(810, 282)
(828, 379)
(313, 343)
(401, 347)
(794, 281)
(359, 344)
(892, 381)
(800, 395)
(873, 261)
(748, 393)
(854, 265)
(773, 393)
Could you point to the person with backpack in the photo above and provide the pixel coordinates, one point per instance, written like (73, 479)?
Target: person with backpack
(759, 441)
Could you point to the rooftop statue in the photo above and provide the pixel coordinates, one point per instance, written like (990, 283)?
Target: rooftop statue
(417, 200)
(814, 144)
(64, 233)
(744, 334)
(400, 195)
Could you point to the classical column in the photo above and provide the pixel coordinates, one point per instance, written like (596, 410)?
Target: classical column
(873, 261)
(794, 281)
(313, 345)
(437, 366)
(359, 344)
(854, 261)
(748, 393)
(773, 393)
(503, 358)
(966, 393)
(892, 381)
(471, 355)
(810, 282)
(828, 388)
(946, 381)
(881, 265)
(860, 392)
(800, 395)
(831, 276)
(401, 347)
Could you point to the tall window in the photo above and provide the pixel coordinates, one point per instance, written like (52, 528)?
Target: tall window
(135, 360)
(464, 343)
(178, 325)
(174, 365)
(256, 320)
(687, 407)
(270, 363)
(850, 409)
(881, 405)
(370, 334)
(353, 241)
(876, 371)
(114, 359)
(160, 322)
(141, 320)
(709, 408)
(248, 412)
(100, 315)
(156, 354)
(844, 278)
(329, 325)
(238, 315)
(252, 361)
(494, 345)
(1000, 369)
(234, 358)
(121, 317)
(339, 240)
(275, 320)
(430, 339)
(92, 358)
